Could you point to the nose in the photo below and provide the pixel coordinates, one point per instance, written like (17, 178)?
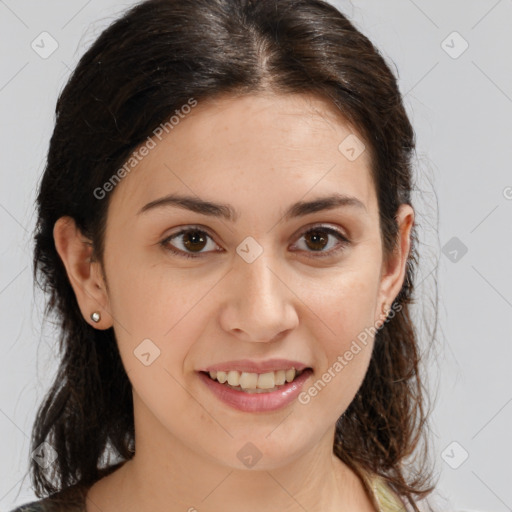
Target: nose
(259, 304)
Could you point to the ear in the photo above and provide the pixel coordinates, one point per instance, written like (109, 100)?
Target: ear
(394, 268)
(85, 275)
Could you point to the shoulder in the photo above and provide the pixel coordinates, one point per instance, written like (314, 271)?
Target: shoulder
(387, 499)
(36, 506)
(71, 499)
(383, 497)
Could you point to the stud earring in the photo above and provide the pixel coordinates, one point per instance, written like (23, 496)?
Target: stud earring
(95, 317)
(385, 310)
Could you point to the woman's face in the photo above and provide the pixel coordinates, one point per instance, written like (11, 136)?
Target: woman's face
(262, 285)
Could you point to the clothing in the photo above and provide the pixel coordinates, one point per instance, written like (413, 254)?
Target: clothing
(73, 499)
(68, 500)
(385, 500)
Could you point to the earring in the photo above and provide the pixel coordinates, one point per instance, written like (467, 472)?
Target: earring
(385, 310)
(95, 317)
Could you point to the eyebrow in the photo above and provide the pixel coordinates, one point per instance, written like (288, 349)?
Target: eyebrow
(221, 210)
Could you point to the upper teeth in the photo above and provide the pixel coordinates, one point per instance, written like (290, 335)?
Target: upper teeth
(254, 380)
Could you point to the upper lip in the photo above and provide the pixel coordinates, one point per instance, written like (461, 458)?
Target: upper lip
(246, 365)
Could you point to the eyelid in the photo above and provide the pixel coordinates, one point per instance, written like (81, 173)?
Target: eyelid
(323, 225)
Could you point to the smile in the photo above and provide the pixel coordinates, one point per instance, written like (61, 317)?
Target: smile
(262, 392)
(255, 382)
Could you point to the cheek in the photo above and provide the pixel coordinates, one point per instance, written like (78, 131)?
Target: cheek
(149, 299)
(152, 319)
(343, 362)
(344, 336)
(154, 329)
(343, 305)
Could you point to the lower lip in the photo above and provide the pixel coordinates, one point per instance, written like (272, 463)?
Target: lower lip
(257, 402)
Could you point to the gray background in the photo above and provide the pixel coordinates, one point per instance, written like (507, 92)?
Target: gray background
(460, 104)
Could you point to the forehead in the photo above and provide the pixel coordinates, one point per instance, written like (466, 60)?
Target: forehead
(277, 146)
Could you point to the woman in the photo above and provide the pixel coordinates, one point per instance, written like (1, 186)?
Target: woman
(226, 234)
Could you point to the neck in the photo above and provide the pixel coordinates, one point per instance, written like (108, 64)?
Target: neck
(167, 475)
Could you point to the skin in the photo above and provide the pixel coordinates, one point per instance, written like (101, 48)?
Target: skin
(258, 153)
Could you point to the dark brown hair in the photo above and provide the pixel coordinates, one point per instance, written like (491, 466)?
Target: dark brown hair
(139, 71)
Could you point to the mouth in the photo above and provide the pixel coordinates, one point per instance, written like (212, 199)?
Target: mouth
(256, 392)
(252, 382)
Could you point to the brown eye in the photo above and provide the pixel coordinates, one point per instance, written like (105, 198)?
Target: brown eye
(193, 240)
(318, 238)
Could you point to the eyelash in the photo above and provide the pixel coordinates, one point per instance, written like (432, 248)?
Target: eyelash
(317, 254)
